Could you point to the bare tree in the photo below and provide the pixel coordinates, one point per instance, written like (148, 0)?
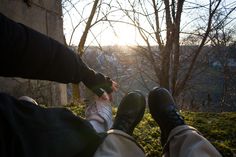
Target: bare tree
(159, 22)
(96, 14)
(222, 42)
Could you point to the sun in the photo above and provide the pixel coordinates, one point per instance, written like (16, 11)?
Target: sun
(121, 34)
(125, 35)
(104, 35)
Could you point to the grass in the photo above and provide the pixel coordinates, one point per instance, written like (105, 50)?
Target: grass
(218, 128)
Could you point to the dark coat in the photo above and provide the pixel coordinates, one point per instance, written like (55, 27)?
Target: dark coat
(28, 130)
(29, 54)
(32, 131)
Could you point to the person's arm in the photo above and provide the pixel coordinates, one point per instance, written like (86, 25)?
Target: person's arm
(27, 53)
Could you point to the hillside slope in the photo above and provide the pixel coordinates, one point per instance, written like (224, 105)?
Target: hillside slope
(218, 128)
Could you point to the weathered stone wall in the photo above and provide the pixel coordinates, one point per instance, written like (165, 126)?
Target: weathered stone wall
(44, 16)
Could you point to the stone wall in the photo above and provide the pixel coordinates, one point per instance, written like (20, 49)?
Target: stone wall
(44, 16)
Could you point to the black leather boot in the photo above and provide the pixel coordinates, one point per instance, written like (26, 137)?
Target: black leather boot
(130, 112)
(164, 111)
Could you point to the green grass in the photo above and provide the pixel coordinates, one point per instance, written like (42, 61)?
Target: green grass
(218, 128)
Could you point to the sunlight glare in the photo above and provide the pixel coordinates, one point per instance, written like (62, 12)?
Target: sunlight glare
(122, 35)
(125, 35)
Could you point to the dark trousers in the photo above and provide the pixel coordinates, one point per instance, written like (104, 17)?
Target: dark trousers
(33, 131)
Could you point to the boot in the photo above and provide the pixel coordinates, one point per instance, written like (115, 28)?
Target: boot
(164, 111)
(130, 112)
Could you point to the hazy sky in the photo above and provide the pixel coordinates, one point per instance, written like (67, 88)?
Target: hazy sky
(119, 34)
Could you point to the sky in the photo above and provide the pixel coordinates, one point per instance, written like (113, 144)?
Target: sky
(75, 13)
(120, 34)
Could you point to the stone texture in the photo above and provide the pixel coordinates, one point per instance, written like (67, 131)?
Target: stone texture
(54, 27)
(17, 10)
(45, 17)
(50, 5)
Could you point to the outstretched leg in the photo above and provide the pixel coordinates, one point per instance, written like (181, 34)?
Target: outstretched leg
(177, 138)
(99, 114)
(30, 130)
(119, 141)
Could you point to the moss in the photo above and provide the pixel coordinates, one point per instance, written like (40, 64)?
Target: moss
(218, 128)
(77, 108)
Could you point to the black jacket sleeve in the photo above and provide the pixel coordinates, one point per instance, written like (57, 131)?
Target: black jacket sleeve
(27, 53)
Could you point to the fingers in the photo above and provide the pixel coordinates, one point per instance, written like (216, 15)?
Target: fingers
(105, 96)
(109, 97)
(115, 86)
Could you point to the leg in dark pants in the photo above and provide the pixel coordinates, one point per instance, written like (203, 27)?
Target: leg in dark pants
(30, 130)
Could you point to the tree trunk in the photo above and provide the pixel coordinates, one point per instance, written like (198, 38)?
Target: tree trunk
(165, 66)
(76, 92)
(87, 27)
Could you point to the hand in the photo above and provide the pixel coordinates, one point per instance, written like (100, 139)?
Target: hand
(114, 86)
(106, 96)
(99, 84)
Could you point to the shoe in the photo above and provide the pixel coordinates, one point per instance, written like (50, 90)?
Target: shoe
(29, 99)
(130, 112)
(164, 111)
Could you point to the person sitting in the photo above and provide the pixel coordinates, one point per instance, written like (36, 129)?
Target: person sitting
(27, 129)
